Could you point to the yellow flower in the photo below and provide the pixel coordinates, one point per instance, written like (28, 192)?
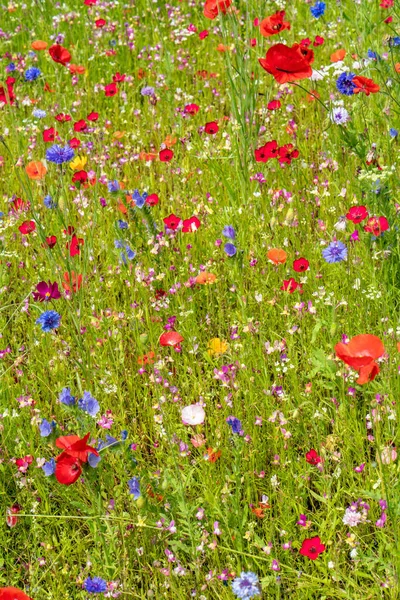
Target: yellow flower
(217, 346)
(78, 164)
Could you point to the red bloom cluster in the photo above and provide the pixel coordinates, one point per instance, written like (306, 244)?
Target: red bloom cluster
(75, 453)
(284, 154)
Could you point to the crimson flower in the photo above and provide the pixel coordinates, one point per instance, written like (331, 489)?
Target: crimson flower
(68, 469)
(312, 457)
(191, 225)
(376, 225)
(100, 23)
(80, 177)
(73, 445)
(357, 214)
(291, 285)
(27, 227)
(51, 241)
(166, 155)
(152, 200)
(171, 338)
(93, 116)
(59, 54)
(213, 7)
(287, 63)
(266, 152)
(287, 154)
(360, 354)
(80, 125)
(74, 246)
(300, 265)
(172, 222)
(191, 109)
(49, 135)
(46, 291)
(62, 118)
(274, 105)
(363, 84)
(312, 548)
(111, 89)
(74, 143)
(211, 128)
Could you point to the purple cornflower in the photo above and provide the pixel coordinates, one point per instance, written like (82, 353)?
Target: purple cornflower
(335, 252)
(235, 424)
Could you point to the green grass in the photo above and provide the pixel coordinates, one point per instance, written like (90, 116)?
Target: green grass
(65, 534)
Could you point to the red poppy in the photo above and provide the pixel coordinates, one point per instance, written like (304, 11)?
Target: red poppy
(203, 34)
(360, 354)
(8, 95)
(288, 64)
(213, 7)
(376, 225)
(274, 24)
(11, 517)
(312, 457)
(191, 225)
(152, 200)
(166, 155)
(51, 241)
(100, 23)
(287, 154)
(318, 41)
(172, 222)
(274, 105)
(59, 54)
(80, 177)
(74, 143)
(291, 285)
(146, 359)
(266, 152)
(111, 89)
(300, 265)
(80, 125)
(76, 447)
(357, 214)
(363, 84)
(49, 135)
(171, 338)
(68, 469)
(118, 78)
(191, 109)
(18, 205)
(12, 593)
(27, 227)
(74, 246)
(312, 548)
(61, 118)
(93, 116)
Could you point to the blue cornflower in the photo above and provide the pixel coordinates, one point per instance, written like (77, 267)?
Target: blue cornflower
(130, 253)
(46, 428)
(113, 186)
(134, 487)
(147, 91)
(49, 467)
(318, 9)
(32, 74)
(139, 199)
(229, 232)
(39, 114)
(246, 586)
(345, 84)
(393, 132)
(95, 585)
(93, 460)
(49, 320)
(59, 155)
(122, 224)
(235, 424)
(395, 41)
(11, 67)
(1, 215)
(335, 252)
(372, 54)
(89, 404)
(230, 249)
(49, 202)
(118, 244)
(66, 397)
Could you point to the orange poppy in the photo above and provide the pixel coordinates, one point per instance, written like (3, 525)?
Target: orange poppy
(76, 69)
(39, 45)
(222, 48)
(35, 170)
(274, 24)
(73, 284)
(170, 141)
(146, 359)
(338, 55)
(360, 354)
(363, 84)
(397, 67)
(277, 256)
(213, 7)
(47, 88)
(205, 278)
(147, 156)
(212, 455)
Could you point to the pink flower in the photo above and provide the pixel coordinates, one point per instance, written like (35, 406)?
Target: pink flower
(193, 414)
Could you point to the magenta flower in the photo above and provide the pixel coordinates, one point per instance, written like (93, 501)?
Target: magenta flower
(46, 291)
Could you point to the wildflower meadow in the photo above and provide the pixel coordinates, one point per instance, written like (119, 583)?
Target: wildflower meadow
(200, 294)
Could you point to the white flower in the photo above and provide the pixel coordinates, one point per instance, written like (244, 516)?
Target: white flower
(193, 414)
